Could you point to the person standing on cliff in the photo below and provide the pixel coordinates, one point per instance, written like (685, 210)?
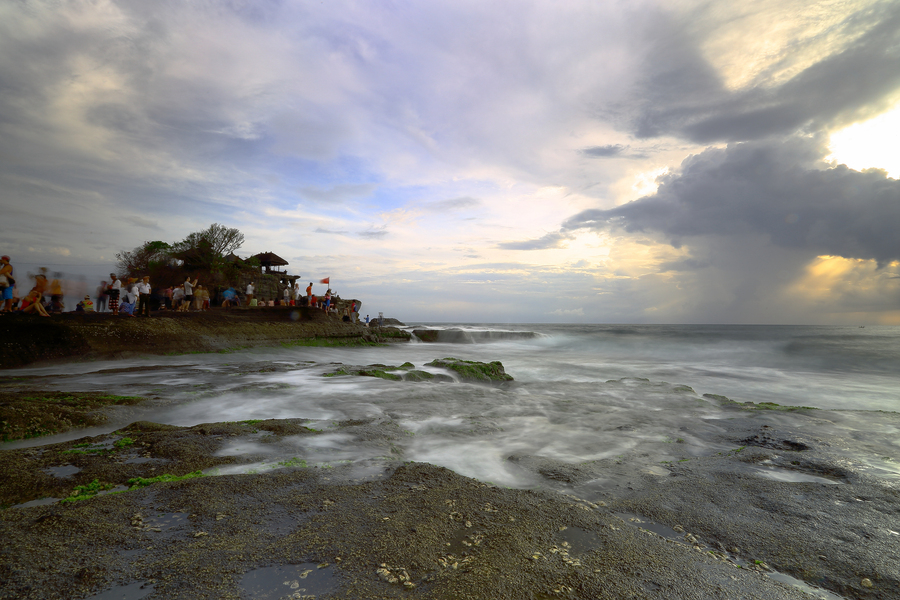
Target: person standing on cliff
(102, 297)
(56, 296)
(189, 292)
(144, 297)
(114, 289)
(250, 293)
(177, 297)
(6, 293)
(309, 292)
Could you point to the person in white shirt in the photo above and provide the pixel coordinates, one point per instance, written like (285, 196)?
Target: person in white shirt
(188, 293)
(144, 297)
(114, 289)
(249, 293)
(178, 297)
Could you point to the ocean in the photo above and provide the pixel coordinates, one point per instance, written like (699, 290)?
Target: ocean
(580, 393)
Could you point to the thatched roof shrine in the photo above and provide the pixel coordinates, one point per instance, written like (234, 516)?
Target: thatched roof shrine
(269, 260)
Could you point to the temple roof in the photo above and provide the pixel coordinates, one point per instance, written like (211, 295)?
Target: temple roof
(269, 259)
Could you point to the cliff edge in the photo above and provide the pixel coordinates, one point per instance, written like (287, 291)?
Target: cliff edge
(28, 339)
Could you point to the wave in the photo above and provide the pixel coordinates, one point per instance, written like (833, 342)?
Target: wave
(468, 336)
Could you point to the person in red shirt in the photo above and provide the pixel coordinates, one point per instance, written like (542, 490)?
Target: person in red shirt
(32, 304)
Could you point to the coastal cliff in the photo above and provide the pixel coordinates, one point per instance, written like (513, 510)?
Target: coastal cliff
(26, 339)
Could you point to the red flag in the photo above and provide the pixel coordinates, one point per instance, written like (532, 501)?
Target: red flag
(326, 281)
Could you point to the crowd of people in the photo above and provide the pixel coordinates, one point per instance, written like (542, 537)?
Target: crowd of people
(291, 296)
(135, 297)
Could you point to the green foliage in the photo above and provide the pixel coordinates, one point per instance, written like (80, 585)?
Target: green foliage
(84, 492)
(139, 482)
(125, 441)
(206, 250)
(142, 259)
(200, 253)
(89, 449)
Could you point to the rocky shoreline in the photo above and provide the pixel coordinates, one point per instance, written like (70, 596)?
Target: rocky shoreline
(25, 339)
(409, 528)
(127, 512)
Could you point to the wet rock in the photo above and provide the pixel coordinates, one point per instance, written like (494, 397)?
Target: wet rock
(35, 413)
(469, 370)
(552, 469)
(426, 335)
(405, 372)
(495, 557)
(765, 439)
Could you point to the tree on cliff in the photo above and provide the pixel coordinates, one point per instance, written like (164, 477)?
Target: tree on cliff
(216, 240)
(143, 259)
(200, 252)
(206, 250)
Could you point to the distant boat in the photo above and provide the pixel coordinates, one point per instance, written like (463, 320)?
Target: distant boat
(862, 326)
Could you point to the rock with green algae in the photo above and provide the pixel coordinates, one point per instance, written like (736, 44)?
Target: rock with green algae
(417, 375)
(724, 401)
(405, 372)
(470, 370)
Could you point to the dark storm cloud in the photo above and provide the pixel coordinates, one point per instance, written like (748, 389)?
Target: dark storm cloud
(687, 264)
(684, 95)
(551, 240)
(781, 190)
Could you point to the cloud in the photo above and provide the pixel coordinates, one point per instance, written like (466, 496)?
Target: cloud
(451, 126)
(373, 234)
(554, 239)
(575, 312)
(781, 190)
(142, 222)
(337, 193)
(683, 94)
(451, 204)
(604, 151)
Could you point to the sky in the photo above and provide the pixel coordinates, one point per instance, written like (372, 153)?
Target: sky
(495, 161)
